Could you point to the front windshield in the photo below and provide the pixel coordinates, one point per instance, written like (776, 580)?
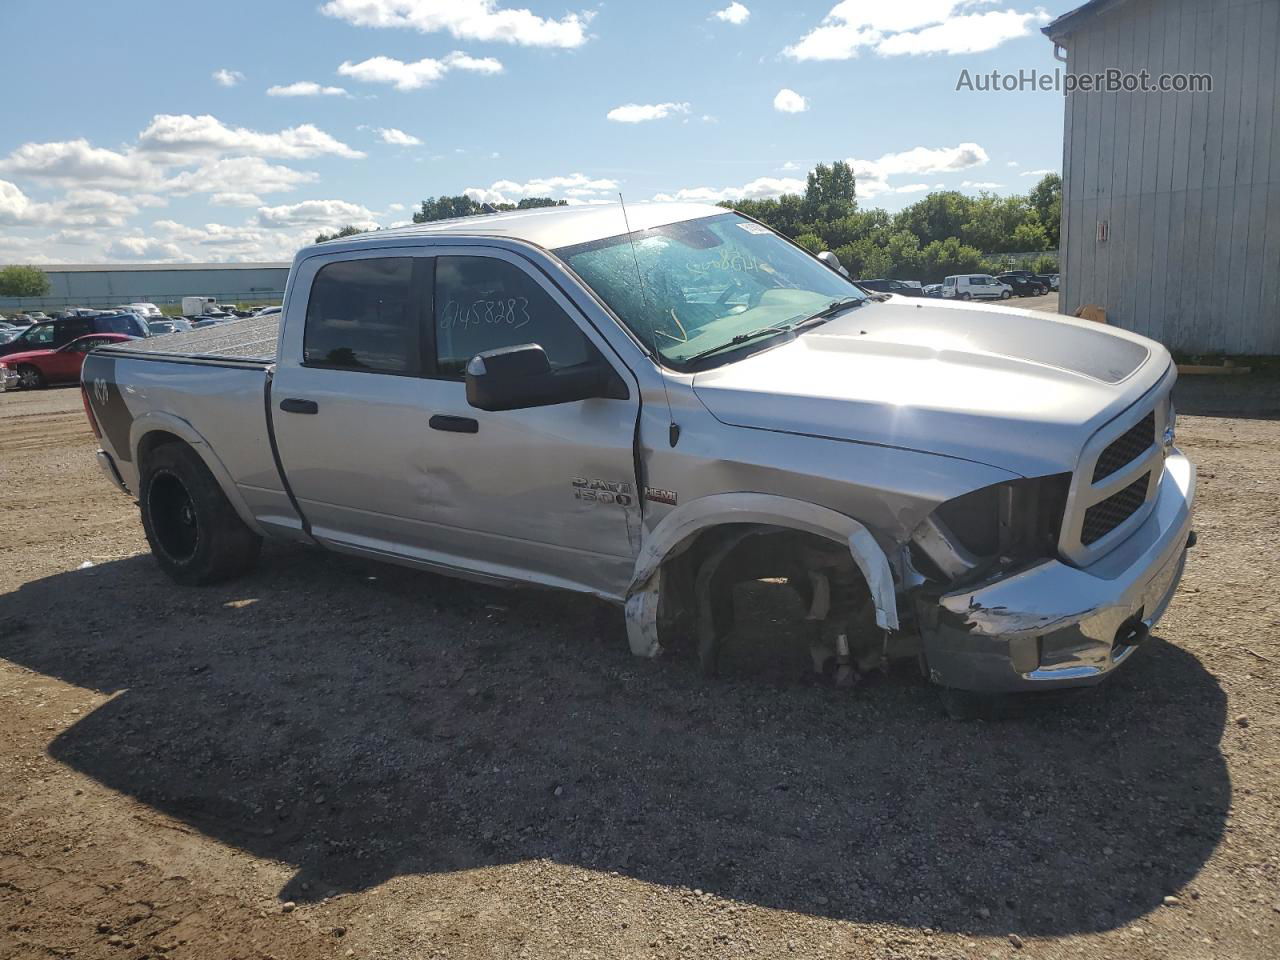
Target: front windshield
(702, 283)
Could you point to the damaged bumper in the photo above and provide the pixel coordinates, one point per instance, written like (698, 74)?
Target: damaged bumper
(1056, 625)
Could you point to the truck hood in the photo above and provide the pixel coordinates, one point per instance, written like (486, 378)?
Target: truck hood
(1015, 389)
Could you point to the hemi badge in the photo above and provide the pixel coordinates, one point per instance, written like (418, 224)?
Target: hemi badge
(660, 496)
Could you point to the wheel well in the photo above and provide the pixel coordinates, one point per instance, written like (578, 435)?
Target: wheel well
(698, 583)
(152, 441)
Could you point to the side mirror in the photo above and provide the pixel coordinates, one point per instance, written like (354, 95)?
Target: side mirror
(520, 377)
(832, 261)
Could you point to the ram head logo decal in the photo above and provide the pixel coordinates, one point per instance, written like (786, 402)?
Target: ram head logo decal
(100, 391)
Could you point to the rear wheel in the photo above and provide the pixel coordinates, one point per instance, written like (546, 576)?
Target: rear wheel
(1005, 294)
(195, 534)
(30, 377)
(965, 296)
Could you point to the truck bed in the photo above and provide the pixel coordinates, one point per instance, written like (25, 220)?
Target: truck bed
(252, 339)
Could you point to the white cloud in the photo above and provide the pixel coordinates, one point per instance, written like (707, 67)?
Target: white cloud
(981, 185)
(420, 73)
(306, 88)
(235, 200)
(396, 208)
(759, 189)
(482, 20)
(143, 248)
(1036, 173)
(1013, 163)
(77, 162)
(734, 13)
(181, 136)
(576, 188)
(913, 27)
(77, 208)
(398, 137)
(873, 175)
(642, 112)
(17, 209)
(227, 78)
(239, 175)
(788, 101)
(317, 213)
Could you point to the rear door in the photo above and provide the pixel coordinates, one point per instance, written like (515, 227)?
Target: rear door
(385, 455)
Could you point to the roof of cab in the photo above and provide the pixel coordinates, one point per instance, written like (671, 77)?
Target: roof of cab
(548, 227)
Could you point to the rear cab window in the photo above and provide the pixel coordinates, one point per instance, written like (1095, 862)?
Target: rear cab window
(364, 315)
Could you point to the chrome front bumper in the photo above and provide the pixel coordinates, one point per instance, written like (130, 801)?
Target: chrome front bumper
(1055, 625)
(9, 379)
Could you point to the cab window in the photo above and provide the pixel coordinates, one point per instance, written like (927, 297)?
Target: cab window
(482, 303)
(362, 315)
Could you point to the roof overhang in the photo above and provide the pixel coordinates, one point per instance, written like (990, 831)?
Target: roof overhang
(1070, 21)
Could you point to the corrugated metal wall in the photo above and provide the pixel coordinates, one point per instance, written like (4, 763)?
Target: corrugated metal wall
(109, 288)
(1189, 183)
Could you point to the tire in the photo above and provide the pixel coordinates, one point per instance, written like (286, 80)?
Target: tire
(1005, 295)
(195, 534)
(966, 296)
(30, 377)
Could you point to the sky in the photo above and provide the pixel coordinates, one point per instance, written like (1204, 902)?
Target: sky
(149, 130)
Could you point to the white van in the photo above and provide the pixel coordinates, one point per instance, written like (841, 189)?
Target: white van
(975, 286)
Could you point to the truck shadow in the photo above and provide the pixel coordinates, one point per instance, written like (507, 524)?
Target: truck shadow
(362, 722)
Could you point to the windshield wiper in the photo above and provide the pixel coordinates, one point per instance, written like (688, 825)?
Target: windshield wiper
(787, 326)
(831, 309)
(743, 338)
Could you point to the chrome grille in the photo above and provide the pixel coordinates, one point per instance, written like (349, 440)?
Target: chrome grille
(1115, 485)
(1106, 515)
(1132, 444)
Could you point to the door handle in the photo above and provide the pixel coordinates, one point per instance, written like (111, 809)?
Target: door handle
(454, 424)
(295, 405)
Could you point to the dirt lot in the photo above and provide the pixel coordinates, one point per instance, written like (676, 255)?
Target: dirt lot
(334, 758)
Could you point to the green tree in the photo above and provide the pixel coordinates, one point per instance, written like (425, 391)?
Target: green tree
(530, 203)
(1046, 200)
(937, 216)
(811, 242)
(20, 281)
(347, 231)
(446, 208)
(830, 192)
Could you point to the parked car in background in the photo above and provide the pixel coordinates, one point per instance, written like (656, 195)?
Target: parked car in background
(212, 321)
(169, 325)
(1022, 286)
(8, 333)
(41, 368)
(54, 333)
(1050, 280)
(933, 289)
(975, 286)
(147, 310)
(267, 312)
(891, 286)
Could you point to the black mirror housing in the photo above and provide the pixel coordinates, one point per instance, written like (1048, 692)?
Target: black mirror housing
(520, 377)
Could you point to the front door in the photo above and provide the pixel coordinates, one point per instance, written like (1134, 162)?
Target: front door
(385, 455)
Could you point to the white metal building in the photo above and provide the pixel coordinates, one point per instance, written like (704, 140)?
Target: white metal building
(112, 284)
(1171, 201)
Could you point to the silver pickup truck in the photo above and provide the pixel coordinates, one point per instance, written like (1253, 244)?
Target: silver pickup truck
(652, 404)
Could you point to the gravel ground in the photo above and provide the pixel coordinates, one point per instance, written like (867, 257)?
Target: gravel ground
(333, 758)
